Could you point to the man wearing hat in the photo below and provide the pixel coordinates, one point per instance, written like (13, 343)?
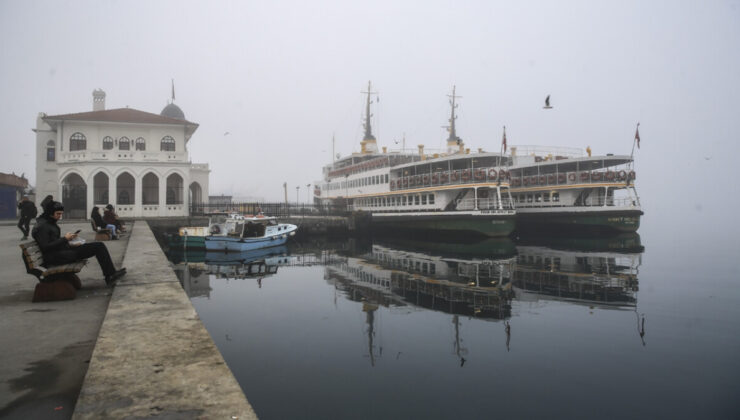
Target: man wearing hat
(28, 212)
(57, 249)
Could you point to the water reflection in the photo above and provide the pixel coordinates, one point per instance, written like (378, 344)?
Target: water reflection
(599, 272)
(195, 268)
(355, 316)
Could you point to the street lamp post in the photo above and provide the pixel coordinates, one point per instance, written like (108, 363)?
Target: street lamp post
(308, 193)
(296, 193)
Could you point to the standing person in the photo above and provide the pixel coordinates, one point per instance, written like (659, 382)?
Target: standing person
(100, 224)
(57, 249)
(28, 212)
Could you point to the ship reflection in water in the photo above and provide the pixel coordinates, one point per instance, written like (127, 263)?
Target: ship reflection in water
(404, 308)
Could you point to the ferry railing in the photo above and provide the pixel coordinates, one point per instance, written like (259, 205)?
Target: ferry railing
(622, 202)
(486, 204)
(270, 209)
(454, 177)
(548, 151)
(573, 178)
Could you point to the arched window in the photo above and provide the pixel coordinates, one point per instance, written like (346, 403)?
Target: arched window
(167, 144)
(124, 143)
(77, 141)
(107, 143)
(140, 143)
(50, 151)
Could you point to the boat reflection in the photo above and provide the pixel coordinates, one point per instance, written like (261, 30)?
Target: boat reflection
(389, 275)
(591, 271)
(196, 267)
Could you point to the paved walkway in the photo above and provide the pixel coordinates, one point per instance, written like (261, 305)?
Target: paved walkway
(142, 350)
(45, 347)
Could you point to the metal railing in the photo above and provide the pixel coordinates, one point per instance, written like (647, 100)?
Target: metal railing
(454, 177)
(270, 209)
(490, 204)
(565, 178)
(626, 202)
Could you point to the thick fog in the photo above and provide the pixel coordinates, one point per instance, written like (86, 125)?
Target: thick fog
(281, 78)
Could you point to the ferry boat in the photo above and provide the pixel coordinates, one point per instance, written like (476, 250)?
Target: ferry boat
(453, 192)
(563, 189)
(234, 232)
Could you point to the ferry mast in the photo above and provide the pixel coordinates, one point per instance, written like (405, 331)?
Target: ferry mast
(368, 143)
(454, 143)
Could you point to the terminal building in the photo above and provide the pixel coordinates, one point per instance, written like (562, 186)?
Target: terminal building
(135, 160)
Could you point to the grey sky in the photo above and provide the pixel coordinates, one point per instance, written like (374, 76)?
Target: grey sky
(282, 76)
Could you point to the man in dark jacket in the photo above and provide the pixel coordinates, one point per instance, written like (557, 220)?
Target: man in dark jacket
(28, 212)
(57, 249)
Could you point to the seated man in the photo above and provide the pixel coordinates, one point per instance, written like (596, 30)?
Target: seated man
(57, 249)
(110, 217)
(100, 224)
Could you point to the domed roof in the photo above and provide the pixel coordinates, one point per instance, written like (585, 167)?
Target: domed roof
(172, 111)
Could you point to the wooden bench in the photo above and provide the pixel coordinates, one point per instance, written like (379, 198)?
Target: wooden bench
(58, 282)
(101, 234)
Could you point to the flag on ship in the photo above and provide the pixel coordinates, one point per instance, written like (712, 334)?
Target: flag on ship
(637, 135)
(173, 89)
(503, 141)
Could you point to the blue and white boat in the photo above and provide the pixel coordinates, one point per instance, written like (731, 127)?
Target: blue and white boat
(238, 233)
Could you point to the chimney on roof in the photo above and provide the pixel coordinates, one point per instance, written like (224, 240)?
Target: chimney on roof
(98, 100)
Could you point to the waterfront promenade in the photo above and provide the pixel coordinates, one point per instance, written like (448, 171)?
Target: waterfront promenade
(137, 350)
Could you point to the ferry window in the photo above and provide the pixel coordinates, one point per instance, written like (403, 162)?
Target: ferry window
(431, 198)
(424, 268)
(432, 268)
(546, 197)
(423, 199)
(386, 178)
(403, 200)
(416, 200)
(529, 198)
(538, 198)
(384, 202)
(556, 197)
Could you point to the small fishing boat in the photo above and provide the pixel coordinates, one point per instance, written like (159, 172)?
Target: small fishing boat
(234, 232)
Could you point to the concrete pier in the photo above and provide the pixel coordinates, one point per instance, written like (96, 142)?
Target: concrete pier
(152, 356)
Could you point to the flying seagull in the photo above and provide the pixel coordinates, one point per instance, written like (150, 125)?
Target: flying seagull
(226, 133)
(547, 103)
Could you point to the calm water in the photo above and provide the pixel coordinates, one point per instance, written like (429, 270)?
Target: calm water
(615, 328)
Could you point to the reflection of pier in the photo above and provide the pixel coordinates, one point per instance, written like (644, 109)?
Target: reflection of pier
(594, 278)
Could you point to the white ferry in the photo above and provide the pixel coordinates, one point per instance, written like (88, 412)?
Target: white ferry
(448, 192)
(562, 189)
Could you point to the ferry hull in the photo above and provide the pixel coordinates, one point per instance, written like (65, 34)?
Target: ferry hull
(481, 225)
(229, 244)
(592, 222)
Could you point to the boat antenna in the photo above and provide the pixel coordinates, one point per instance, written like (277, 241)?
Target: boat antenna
(333, 142)
(453, 140)
(368, 143)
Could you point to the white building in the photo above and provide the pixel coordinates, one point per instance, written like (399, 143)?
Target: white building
(135, 160)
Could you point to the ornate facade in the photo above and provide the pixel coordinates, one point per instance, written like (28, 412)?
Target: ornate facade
(135, 160)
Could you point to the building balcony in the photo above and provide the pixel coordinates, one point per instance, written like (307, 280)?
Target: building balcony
(121, 156)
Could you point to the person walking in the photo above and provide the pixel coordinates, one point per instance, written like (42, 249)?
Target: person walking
(57, 249)
(28, 212)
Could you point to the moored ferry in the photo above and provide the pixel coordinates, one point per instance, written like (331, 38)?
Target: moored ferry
(452, 192)
(564, 189)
